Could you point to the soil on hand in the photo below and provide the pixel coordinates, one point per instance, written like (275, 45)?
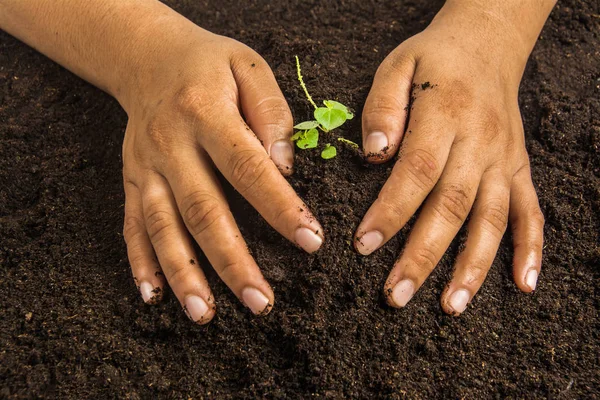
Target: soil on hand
(72, 324)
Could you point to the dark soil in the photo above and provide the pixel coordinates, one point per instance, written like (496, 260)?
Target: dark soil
(72, 324)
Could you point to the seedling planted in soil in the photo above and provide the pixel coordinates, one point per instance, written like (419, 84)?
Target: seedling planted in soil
(327, 118)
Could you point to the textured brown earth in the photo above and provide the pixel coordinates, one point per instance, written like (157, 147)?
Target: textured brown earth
(72, 324)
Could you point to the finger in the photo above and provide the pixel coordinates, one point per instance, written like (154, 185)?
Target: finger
(265, 109)
(486, 228)
(244, 163)
(421, 161)
(146, 271)
(527, 224)
(174, 250)
(438, 223)
(387, 106)
(206, 214)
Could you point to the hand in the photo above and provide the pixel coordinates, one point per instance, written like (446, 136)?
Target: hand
(185, 120)
(461, 150)
(184, 90)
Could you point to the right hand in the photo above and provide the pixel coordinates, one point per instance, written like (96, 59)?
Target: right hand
(185, 118)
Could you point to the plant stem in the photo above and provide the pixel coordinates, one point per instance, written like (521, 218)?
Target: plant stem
(302, 83)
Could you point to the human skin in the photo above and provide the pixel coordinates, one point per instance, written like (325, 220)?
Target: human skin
(460, 147)
(181, 85)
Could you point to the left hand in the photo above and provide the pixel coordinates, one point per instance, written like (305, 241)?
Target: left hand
(461, 151)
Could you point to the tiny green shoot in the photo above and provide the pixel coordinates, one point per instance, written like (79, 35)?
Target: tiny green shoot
(311, 101)
(327, 118)
(348, 142)
(328, 152)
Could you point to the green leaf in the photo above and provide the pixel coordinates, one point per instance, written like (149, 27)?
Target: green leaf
(306, 125)
(338, 106)
(348, 142)
(309, 139)
(298, 135)
(328, 152)
(330, 118)
(335, 104)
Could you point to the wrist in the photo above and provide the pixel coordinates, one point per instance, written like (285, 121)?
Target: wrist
(520, 23)
(492, 31)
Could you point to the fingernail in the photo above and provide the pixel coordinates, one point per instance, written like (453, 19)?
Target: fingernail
(375, 143)
(369, 242)
(282, 154)
(403, 292)
(308, 240)
(147, 291)
(459, 300)
(531, 279)
(195, 307)
(255, 300)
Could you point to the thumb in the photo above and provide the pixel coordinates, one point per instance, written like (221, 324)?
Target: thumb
(265, 109)
(387, 106)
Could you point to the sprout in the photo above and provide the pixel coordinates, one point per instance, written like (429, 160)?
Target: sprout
(327, 118)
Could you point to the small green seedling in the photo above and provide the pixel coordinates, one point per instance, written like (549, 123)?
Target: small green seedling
(328, 152)
(327, 118)
(306, 139)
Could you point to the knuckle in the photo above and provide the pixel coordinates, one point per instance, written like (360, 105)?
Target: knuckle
(424, 259)
(524, 166)
(177, 274)
(396, 65)
(394, 208)
(227, 268)
(158, 222)
(453, 204)
(244, 61)
(528, 245)
(200, 211)
(160, 137)
(495, 216)
(275, 109)
(132, 226)
(538, 219)
(129, 179)
(476, 271)
(382, 104)
(457, 98)
(192, 101)
(285, 217)
(491, 125)
(138, 154)
(422, 167)
(136, 257)
(130, 163)
(249, 169)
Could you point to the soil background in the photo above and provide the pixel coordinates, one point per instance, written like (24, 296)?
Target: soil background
(72, 324)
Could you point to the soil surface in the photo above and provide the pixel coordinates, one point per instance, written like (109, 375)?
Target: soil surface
(72, 324)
